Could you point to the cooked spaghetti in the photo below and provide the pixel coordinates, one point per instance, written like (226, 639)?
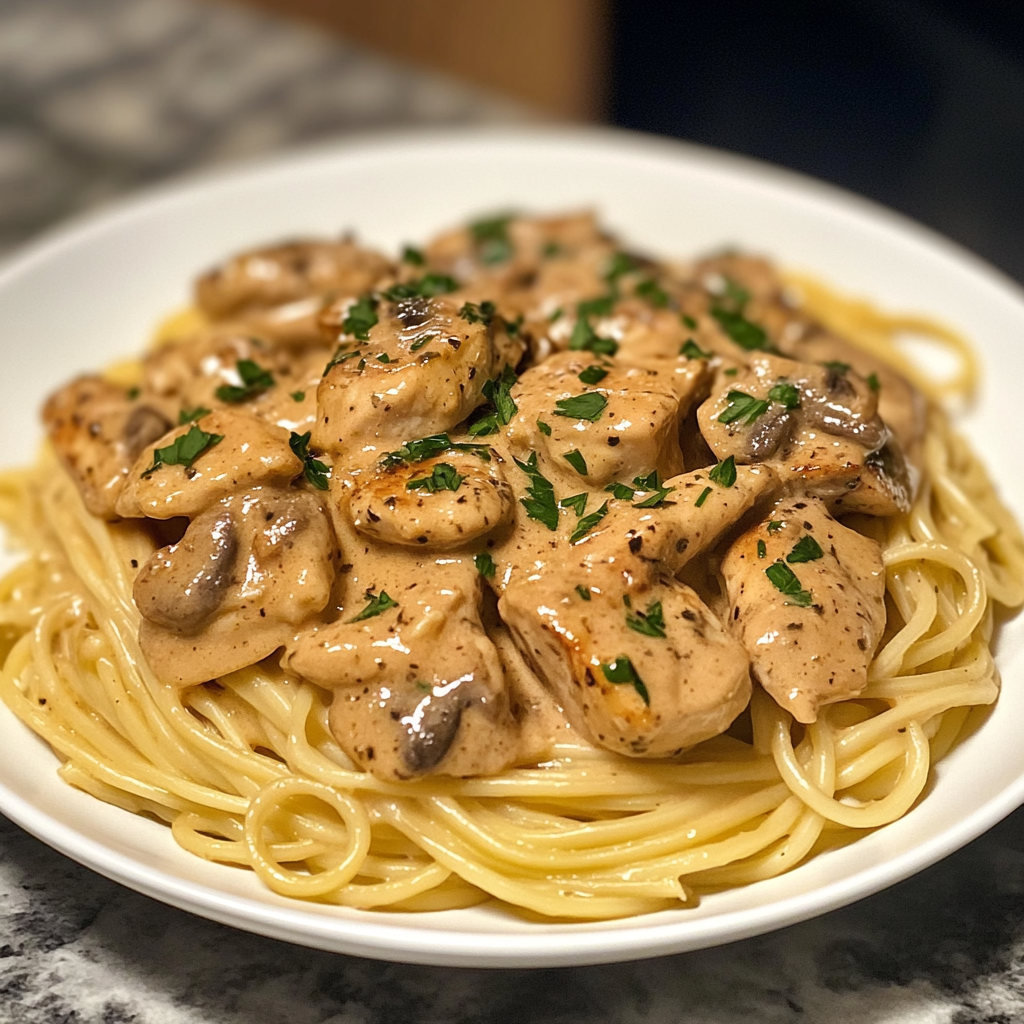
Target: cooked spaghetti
(683, 654)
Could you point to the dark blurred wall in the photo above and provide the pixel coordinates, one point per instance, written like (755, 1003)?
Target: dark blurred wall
(918, 104)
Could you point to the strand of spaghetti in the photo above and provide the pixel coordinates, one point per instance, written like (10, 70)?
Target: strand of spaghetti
(292, 883)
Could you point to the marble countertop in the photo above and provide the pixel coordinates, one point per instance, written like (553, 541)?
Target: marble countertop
(98, 98)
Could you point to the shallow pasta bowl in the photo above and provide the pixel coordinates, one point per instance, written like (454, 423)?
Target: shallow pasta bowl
(91, 293)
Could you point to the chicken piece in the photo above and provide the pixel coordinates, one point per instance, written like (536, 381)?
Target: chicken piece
(504, 252)
(419, 688)
(201, 463)
(278, 291)
(819, 428)
(247, 573)
(565, 603)
(812, 626)
(629, 417)
(437, 504)
(420, 371)
(98, 432)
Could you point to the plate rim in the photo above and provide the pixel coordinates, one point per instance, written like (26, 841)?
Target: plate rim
(562, 945)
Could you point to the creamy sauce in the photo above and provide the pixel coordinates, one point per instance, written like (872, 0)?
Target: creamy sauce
(618, 542)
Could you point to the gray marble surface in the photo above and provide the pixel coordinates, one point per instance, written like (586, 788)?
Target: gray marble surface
(99, 96)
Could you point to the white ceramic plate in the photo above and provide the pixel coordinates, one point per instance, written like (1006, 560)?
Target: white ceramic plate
(90, 294)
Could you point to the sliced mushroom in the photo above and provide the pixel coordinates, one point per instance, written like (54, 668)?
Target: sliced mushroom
(182, 586)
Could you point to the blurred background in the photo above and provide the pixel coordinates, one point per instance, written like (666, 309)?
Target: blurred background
(916, 103)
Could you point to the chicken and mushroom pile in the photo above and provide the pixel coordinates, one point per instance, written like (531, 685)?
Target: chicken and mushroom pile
(385, 474)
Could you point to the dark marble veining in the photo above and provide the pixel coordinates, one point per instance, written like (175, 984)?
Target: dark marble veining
(99, 97)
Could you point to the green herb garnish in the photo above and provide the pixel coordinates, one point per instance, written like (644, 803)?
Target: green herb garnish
(361, 316)
(621, 671)
(702, 497)
(742, 407)
(836, 367)
(578, 503)
(650, 623)
(490, 236)
(692, 350)
(651, 482)
(540, 503)
(786, 582)
(482, 314)
(255, 380)
(191, 415)
(428, 447)
(341, 356)
(378, 603)
(724, 474)
(620, 263)
(426, 287)
(762, 549)
(587, 406)
(621, 491)
(297, 396)
(688, 321)
(184, 450)
(774, 526)
(653, 293)
(587, 523)
(485, 565)
(443, 477)
(498, 392)
(785, 394)
(543, 428)
(577, 461)
(410, 254)
(584, 592)
(747, 335)
(315, 471)
(593, 374)
(874, 383)
(586, 339)
(806, 549)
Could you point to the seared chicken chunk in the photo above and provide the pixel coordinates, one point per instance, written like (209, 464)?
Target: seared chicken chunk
(807, 598)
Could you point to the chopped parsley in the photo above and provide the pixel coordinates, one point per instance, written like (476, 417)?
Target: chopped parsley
(498, 393)
(361, 316)
(383, 358)
(184, 450)
(621, 671)
(692, 350)
(490, 236)
(429, 447)
(443, 477)
(688, 321)
(315, 471)
(587, 406)
(587, 523)
(836, 367)
(299, 396)
(621, 491)
(578, 503)
(513, 327)
(132, 393)
(544, 428)
(746, 334)
(482, 314)
(378, 603)
(874, 383)
(742, 407)
(584, 592)
(650, 623)
(556, 315)
(806, 549)
(774, 526)
(413, 256)
(601, 306)
(485, 565)
(586, 339)
(422, 340)
(593, 374)
(762, 549)
(702, 497)
(341, 356)
(191, 415)
(651, 482)
(653, 293)
(576, 460)
(785, 394)
(255, 380)
(425, 287)
(551, 249)
(724, 474)
(786, 582)
(621, 263)
(540, 503)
